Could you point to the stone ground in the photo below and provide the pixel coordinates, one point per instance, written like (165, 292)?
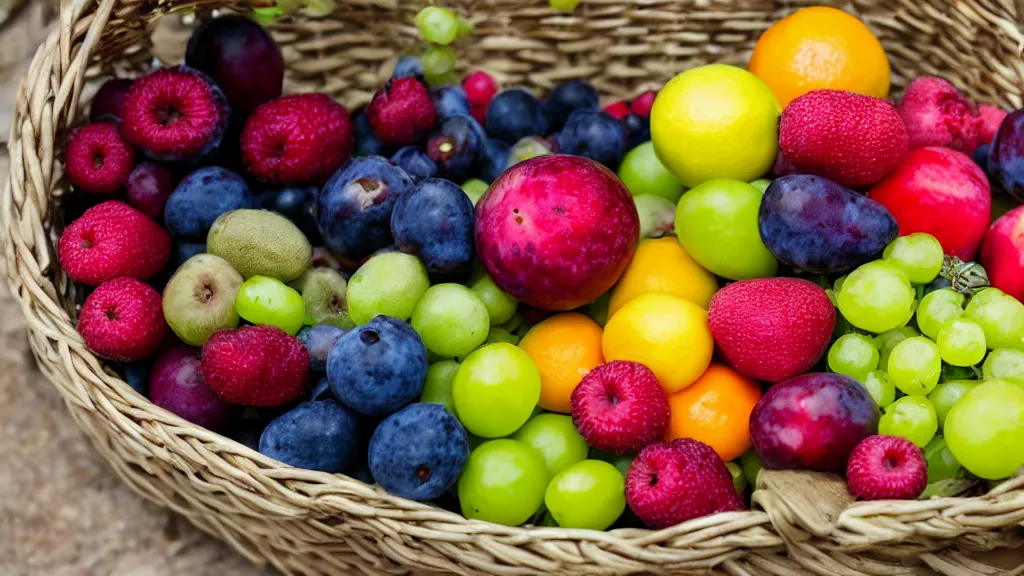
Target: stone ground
(62, 510)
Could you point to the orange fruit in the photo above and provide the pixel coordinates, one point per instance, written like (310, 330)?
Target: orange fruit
(667, 334)
(715, 410)
(565, 347)
(663, 265)
(820, 47)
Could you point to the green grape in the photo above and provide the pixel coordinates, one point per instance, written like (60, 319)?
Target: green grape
(919, 256)
(761, 184)
(267, 15)
(437, 388)
(622, 463)
(439, 65)
(837, 286)
(942, 465)
(937, 308)
(465, 26)
(876, 297)
(915, 365)
(910, 417)
(391, 284)
(853, 355)
(318, 8)
(1000, 315)
(268, 301)
(750, 461)
(643, 173)
(947, 394)
(961, 342)
(598, 309)
(985, 430)
(503, 482)
(1004, 364)
(498, 334)
(739, 481)
(496, 390)
(590, 494)
(888, 340)
(475, 189)
(451, 319)
(557, 440)
(500, 306)
(880, 388)
(564, 5)
(437, 25)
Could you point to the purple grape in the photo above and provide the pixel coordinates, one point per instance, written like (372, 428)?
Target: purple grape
(109, 99)
(177, 385)
(242, 59)
(149, 186)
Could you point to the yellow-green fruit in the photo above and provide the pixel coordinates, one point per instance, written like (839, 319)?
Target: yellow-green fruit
(260, 243)
(323, 295)
(200, 298)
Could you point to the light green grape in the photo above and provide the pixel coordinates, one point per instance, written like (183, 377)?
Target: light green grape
(915, 366)
(985, 430)
(918, 255)
(888, 340)
(739, 481)
(750, 461)
(502, 482)
(1004, 364)
(910, 417)
(564, 5)
(876, 297)
(496, 390)
(439, 65)
(268, 301)
(500, 306)
(437, 25)
(761, 184)
(1000, 315)
(475, 189)
(465, 26)
(947, 394)
(438, 386)
(391, 284)
(961, 342)
(853, 355)
(557, 440)
(880, 388)
(590, 494)
(837, 286)
(451, 319)
(942, 465)
(937, 308)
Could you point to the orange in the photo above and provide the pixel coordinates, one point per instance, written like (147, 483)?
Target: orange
(716, 411)
(565, 348)
(820, 47)
(667, 334)
(663, 265)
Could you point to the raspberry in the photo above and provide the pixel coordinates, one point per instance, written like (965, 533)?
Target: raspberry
(99, 160)
(401, 112)
(175, 115)
(618, 109)
(620, 407)
(122, 320)
(886, 468)
(259, 366)
(295, 140)
(111, 240)
(480, 87)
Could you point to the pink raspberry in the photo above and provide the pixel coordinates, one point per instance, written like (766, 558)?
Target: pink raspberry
(111, 240)
(401, 112)
(99, 160)
(122, 320)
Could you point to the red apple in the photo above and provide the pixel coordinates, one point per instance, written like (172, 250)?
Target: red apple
(1002, 253)
(941, 192)
(556, 231)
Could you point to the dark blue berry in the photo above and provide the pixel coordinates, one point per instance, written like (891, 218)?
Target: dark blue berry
(514, 114)
(493, 160)
(248, 431)
(638, 129)
(408, 67)
(136, 375)
(455, 147)
(415, 162)
(296, 203)
(567, 97)
(200, 198)
(367, 143)
(596, 135)
(185, 250)
(435, 222)
(319, 340)
(322, 390)
(449, 101)
(318, 435)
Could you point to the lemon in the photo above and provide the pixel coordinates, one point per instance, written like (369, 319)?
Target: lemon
(663, 265)
(716, 121)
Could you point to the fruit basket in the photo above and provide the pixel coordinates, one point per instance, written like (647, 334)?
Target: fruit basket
(307, 522)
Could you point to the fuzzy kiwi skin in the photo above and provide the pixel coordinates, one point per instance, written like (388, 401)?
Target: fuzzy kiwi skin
(260, 243)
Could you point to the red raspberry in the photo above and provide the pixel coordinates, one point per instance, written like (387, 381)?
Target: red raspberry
(111, 240)
(401, 112)
(620, 407)
(99, 160)
(480, 88)
(295, 140)
(122, 320)
(259, 366)
(886, 468)
(618, 109)
(642, 104)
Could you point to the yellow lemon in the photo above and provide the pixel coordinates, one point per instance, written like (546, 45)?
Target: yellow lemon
(663, 265)
(716, 121)
(667, 334)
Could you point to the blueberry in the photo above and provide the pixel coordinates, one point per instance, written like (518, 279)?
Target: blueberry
(322, 390)
(408, 66)
(455, 147)
(567, 97)
(514, 114)
(318, 435)
(248, 431)
(136, 375)
(296, 203)
(435, 222)
(319, 340)
(638, 130)
(415, 162)
(354, 208)
(493, 160)
(200, 198)
(367, 143)
(449, 101)
(185, 250)
(378, 367)
(981, 156)
(596, 135)
(418, 452)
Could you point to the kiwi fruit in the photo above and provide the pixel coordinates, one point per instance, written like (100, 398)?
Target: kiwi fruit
(260, 243)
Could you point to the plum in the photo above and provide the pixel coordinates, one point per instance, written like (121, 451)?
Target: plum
(434, 221)
(815, 224)
(1006, 155)
(812, 422)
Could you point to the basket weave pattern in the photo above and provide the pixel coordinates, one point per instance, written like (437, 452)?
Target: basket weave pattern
(314, 523)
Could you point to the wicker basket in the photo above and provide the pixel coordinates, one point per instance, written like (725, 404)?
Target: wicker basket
(314, 523)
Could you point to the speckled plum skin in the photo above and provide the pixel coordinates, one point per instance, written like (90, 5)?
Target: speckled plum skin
(556, 231)
(812, 422)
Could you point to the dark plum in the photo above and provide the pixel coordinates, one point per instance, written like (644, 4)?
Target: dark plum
(247, 432)
(638, 130)
(322, 390)
(449, 101)
(415, 162)
(367, 143)
(378, 367)
(981, 157)
(108, 103)
(241, 57)
(354, 207)
(566, 98)
(177, 385)
(493, 160)
(435, 222)
(148, 188)
(183, 251)
(1006, 155)
(318, 435)
(200, 198)
(136, 375)
(418, 452)
(408, 67)
(812, 223)
(596, 135)
(455, 147)
(812, 422)
(319, 340)
(296, 203)
(514, 114)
